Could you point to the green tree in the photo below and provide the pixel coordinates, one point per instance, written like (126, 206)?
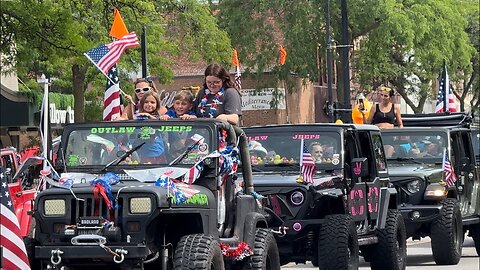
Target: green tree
(50, 37)
(403, 43)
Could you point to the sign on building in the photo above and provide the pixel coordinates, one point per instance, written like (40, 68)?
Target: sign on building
(263, 99)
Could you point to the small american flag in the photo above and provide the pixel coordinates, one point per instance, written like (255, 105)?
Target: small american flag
(193, 173)
(14, 254)
(111, 102)
(307, 165)
(238, 79)
(104, 57)
(448, 171)
(445, 92)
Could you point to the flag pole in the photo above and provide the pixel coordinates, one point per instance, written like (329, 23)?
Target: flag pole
(446, 84)
(43, 80)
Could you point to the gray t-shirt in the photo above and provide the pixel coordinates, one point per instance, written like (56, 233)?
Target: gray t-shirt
(230, 103)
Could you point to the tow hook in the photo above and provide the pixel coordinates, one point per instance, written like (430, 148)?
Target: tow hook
(120, 255)
(56, 258)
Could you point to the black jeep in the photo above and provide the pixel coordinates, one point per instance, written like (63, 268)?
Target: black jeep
(156, 194)
(328, 194)
(432, 164)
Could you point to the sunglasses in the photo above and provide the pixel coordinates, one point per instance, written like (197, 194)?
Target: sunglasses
(145, 89)
(213, 82)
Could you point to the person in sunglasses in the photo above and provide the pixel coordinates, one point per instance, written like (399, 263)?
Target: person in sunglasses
(384, 114)
(218, 98)
(142, 86)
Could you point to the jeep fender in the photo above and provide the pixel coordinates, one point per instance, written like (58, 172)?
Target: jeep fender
(253, 221)
(385, 194)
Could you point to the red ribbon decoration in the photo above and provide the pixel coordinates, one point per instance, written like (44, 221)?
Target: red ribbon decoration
(98, 188)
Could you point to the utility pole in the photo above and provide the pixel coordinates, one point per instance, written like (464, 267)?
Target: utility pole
(329, 65)
(144, 52)
(346, 116)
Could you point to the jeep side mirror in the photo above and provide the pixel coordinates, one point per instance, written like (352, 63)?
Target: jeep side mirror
(359, 167)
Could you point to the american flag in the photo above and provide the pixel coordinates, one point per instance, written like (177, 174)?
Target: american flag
(448, 171)
(193, 173)
(307, 165)
(111, 103)
(104, 57)
(238, 79)
(14, 254)
(445, 92)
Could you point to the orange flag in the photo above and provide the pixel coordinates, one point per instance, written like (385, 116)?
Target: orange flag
(118, 27)
(235, 58)
(283, 56)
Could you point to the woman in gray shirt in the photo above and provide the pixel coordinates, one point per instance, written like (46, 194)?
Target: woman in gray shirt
(218, 98)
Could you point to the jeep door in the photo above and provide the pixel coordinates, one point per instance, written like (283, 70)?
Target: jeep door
(463, 160)
(371, 147)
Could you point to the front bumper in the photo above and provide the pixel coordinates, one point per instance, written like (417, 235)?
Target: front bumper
(425, 213)
(90, 253)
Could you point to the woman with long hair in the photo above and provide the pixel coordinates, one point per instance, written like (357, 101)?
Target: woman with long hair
(385, 113)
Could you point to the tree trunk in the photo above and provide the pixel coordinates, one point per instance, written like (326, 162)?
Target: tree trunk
(78, 74)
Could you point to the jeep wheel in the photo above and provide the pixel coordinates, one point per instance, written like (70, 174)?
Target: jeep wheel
(391, 250)
(338, 243)
(265, 252)
(447, 234)
(198, 251)
(475, 233)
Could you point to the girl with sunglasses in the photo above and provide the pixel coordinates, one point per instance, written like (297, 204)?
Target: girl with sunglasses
(218, 98)
(142, 86)
(384, 114)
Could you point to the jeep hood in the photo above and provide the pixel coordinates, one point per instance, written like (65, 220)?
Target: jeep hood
(264, 181)
(400, 172)
(196, 196)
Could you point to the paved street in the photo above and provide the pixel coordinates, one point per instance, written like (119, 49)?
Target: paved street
(420, 257)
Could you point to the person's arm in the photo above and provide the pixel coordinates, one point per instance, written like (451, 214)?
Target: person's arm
(398, 114)
(370, 116)
(231, 118)
(232, 107)
(125, 115)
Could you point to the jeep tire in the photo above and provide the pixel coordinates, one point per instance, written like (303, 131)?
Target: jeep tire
(391, 250)
(447, 234)
(265, 252)
(198, 251)
(338, 243)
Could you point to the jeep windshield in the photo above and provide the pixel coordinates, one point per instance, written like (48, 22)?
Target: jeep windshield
(163, 142)
(284, 150)
(415, 146)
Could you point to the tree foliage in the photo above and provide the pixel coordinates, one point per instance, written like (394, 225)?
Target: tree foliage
(50, 37)
(402, 42)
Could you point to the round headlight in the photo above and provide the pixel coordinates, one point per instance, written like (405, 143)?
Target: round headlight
(413, 186)
(297, 198)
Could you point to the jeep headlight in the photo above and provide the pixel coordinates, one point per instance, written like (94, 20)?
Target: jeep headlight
(142, 205)
(54, 207)
(413, 186)
(435, 191)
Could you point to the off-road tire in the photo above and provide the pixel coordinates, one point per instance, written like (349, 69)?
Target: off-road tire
(391, 250)
(475, 233)
(265, 252)
(447, 234)
(338, 243)
(198, 252)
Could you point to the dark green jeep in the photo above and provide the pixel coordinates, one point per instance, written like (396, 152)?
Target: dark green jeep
(431, 162)
(156, 194)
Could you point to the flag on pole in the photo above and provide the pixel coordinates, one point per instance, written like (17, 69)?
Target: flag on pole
(104, 57)
(307, 165)
(236, 63)
(448, 171)
(119, 29)
(283, 56)
(445, 97)
(111, 103)
(14, 254)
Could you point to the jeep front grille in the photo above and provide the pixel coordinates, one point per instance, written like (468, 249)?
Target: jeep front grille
(89, 208)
